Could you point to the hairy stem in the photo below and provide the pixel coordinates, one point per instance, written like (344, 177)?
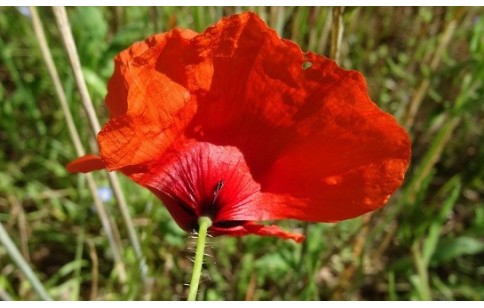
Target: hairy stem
(204, 223)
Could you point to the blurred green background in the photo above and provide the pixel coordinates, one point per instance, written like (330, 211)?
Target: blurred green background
(424, 65)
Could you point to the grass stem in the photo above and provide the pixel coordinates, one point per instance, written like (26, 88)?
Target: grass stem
(76, 140)
(336, 33)
(424, 86)
(4, 296)
(16, 256)
(70, 46)
(421, 268)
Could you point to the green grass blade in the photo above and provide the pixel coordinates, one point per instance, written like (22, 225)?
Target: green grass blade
(17, 257)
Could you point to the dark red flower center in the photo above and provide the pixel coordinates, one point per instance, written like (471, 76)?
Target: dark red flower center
(203, 179)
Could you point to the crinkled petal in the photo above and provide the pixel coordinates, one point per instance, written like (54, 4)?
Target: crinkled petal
(252, 91)
(319, 147)
(240, 105)
(150, 49)
(349, 159)
(149, 106)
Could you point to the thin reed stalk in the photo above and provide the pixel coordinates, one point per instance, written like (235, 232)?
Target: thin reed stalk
(4, 296)
(323, 39)
(76, 140)
(94, 270)
(421, 268)
(70, 46)
(277, 18)
(17, 257)
(18, 211)
(422, 90)
(336, 33)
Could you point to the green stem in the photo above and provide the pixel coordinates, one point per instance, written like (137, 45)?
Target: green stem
(204, 223)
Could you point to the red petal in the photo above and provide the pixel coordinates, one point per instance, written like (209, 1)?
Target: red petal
(124, 73)
(350, 157)
(149, 105)
(86, 163)
(319, 147)
(187, 177)
(253, 228)
(253, 91)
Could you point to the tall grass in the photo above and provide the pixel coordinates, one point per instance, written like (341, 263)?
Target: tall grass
(422, 64)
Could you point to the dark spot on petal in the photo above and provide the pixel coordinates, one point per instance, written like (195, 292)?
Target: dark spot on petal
(306, 65)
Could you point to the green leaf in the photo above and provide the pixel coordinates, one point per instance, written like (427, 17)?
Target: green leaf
(432, 239)
(456, 247)
(90, 29)
(94, 82)
(272, 263)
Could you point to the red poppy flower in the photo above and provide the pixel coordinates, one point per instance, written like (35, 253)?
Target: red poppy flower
(234, 125)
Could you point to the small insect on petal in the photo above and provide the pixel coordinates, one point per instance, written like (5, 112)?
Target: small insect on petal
(217, 190)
